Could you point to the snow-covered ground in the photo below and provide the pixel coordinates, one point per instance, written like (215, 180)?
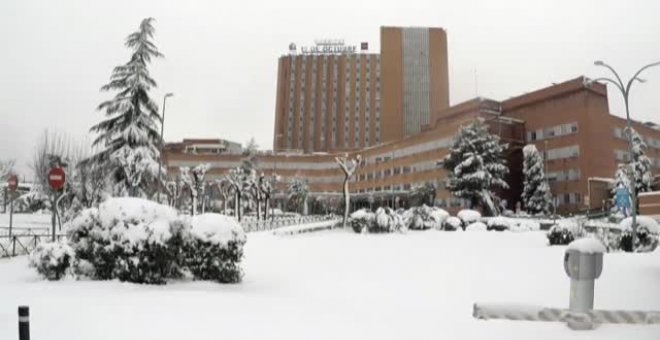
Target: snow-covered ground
(341, 285)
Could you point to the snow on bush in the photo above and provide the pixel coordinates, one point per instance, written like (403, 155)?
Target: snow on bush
(468, 216)
(647, 234)
(522, 225)
(129, 239)
(453, 223)
(476, 226)
(643, 222)
(499, 223)
(52, 259)
(362, 220)
(564, 231)
(387, 221)
(424, 217)
(214, 248)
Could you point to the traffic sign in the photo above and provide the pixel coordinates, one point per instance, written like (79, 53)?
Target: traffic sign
(12, 182)
(56, 178)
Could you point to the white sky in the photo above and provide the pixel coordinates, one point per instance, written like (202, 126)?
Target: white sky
(221, 56)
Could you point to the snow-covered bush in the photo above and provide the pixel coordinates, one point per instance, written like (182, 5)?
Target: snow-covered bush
(476, 226)
(558, 235)
(468, 216)
(387, 221)
(647, 234)
(452, 223)
(362, 220)
(130, 239)
(214, 248)
(424, 217)
(499, 223)
(522, 225)
(52, 259)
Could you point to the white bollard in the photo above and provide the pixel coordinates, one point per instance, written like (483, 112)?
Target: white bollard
(583, 263)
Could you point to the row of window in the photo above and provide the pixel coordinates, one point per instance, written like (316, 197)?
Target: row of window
(563, 175)
(553, 131)
(622, 156)
(650, 142)
(563, 153)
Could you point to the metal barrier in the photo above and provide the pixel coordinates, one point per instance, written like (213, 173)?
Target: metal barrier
(261, 225)
(23, 244)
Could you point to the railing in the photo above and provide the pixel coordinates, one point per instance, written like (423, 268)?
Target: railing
(252, 225)
(22, 244)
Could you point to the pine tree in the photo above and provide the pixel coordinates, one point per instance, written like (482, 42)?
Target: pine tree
(642, 163)
(129, 138)
(536, 196)
(476, 166)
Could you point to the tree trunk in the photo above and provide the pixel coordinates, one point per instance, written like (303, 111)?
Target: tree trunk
(236, 205)
(258, 208)
(240, 208)
(193, 205)
(266, 207)
(346, 201)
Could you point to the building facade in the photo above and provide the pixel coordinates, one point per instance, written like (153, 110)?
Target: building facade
(332, 97)
(392, 108)
(569, 123)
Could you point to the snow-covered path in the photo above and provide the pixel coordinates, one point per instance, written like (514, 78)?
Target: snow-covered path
(340, 285)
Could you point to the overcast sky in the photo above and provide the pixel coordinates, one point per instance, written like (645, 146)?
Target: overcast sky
(221, 56)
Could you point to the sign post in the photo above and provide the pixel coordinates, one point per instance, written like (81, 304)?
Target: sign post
(12, 185)
(56, 180)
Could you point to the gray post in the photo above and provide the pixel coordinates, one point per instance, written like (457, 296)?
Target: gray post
(23, 323)
(52, 219)
(583, 263)
(11, 214)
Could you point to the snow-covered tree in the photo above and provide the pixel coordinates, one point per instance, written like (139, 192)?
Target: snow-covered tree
(423, 194)
(536, 195)
(476, 165)
(250, 153)
(267, 187)
(6, 167)
(129, 137)
(241, 182)
(194, 180)
(642, 163)
(348, 166)
(298, 192)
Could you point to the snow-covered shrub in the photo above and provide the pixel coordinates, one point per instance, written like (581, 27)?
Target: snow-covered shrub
(476, 226)
(522, 225)
(558, 235)
(130, 239)
(468, 216)
(214, 248)
(424, 217)
(647, 234)
(387, 221)
(362, 220)
(452, 223)
(52, 259)
(499, 223)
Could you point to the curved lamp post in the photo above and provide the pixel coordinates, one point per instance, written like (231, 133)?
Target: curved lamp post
(624, 88)
(160, 156)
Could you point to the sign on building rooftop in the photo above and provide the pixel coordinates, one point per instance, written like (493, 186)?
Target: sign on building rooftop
(327, 46)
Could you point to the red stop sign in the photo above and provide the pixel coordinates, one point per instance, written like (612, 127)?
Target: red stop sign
(12, 182)
(56, 178)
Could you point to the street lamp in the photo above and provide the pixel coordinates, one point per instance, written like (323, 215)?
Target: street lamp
(625, 92)
(162, 130)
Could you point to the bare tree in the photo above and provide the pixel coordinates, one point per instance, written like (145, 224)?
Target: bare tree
(267, 186)
(348, 166)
